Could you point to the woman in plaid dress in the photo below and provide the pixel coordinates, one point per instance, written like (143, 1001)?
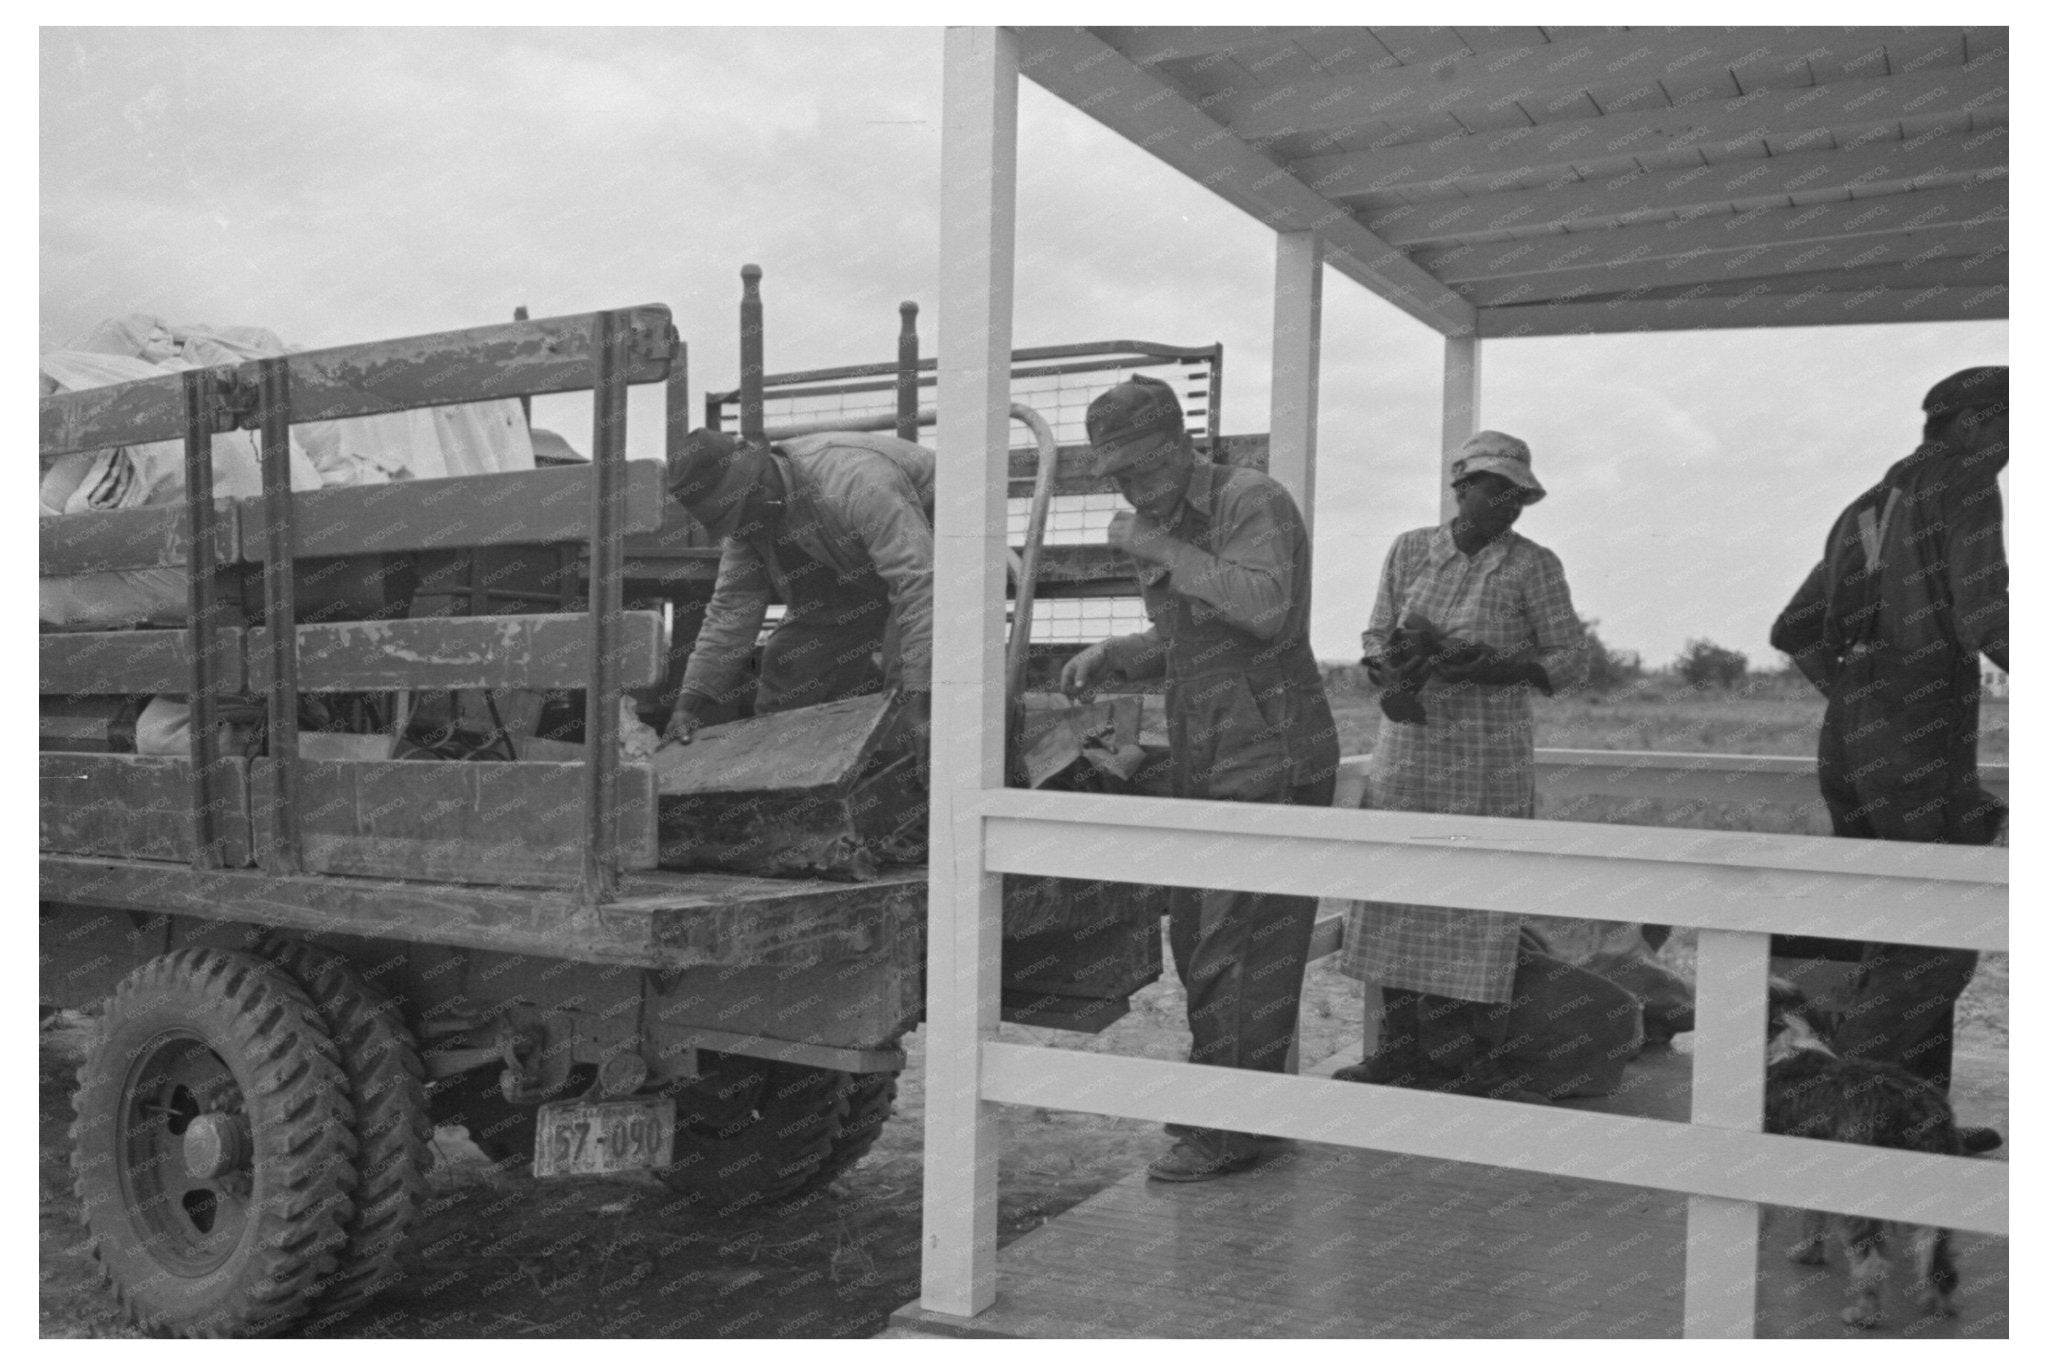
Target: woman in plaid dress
(1469, 620)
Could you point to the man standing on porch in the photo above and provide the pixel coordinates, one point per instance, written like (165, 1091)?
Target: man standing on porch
(1223, 563)
(1911, 588)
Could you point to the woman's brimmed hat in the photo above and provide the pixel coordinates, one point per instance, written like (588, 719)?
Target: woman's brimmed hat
(1496, 452)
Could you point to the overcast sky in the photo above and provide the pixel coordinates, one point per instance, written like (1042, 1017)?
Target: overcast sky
(344, 185)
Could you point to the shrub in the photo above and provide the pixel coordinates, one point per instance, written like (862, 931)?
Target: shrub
(1607, 669)
(1706, 664)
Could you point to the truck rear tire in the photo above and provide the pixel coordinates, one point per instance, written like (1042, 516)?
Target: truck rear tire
(752, 1133)
(212, 1153)
(387, 1094)
(870, 1099)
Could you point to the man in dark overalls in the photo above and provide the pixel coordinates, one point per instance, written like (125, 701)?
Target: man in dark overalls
(839, 526)
(1223, 560)
(1911, 588)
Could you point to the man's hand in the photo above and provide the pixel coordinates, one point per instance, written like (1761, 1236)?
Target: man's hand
(1138, 536)
(1085, 671)
(682, 726)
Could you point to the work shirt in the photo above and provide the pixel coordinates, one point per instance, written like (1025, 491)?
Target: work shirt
(1916, 566)
(1229, 604)
(1475, 755)
(855, 524)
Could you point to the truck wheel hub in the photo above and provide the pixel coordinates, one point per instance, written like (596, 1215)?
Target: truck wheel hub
(216, 1144)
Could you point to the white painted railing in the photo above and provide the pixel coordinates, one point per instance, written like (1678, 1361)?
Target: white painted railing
(1566, 775)
(1737, 888)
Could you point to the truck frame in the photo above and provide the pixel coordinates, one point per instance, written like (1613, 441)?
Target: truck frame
(307, 962)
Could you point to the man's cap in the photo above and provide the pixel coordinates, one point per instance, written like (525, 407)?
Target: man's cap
(1126, 420)
(711, 476)
(1496, 452)
(1982, 386)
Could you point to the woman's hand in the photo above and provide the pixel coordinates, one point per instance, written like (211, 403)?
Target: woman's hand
(1384, 672)
(1490, 667)
(1457, 657)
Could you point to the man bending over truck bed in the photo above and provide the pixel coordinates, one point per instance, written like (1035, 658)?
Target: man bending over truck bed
(837, 524)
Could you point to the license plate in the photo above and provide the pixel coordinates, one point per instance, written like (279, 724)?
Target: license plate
(604, 1138)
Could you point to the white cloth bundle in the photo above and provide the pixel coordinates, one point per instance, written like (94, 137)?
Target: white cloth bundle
(431, 443)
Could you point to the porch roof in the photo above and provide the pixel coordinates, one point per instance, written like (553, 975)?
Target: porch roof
(1534, 181)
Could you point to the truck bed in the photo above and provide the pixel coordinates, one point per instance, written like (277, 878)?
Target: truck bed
(661, 919)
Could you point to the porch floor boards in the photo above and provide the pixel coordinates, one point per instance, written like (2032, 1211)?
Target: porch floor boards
(1323, 1241)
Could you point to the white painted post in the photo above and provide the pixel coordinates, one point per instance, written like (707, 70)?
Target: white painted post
(1297, 365)
(977, 240)
(1461, 419)
(1461, 410)
(1732, 1011)
(1297, 377)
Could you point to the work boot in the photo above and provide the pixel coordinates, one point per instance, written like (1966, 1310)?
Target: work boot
(1205, 1154)
(1397, 1057)
(1977, 1141)
(1432, 1042)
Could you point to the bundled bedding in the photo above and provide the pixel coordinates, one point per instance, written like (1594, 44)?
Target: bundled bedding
(473, 438)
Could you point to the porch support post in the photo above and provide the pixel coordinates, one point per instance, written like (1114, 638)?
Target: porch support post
(1728, 1092)
(1297, 365)
(977, 239)
(1461, 409)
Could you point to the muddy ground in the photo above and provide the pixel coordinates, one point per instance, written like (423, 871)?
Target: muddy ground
(499, 1254)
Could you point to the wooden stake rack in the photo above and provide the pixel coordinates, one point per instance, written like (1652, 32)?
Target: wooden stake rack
(524, 823)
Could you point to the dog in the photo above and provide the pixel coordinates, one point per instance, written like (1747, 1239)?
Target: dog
(1811, 1092)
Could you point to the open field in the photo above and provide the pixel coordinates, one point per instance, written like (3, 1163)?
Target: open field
(501, 1255)
(1773, 713)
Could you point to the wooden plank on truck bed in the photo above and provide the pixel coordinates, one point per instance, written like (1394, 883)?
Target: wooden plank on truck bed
(131, 538)
(540, 651)
(679, 551)
(675, 569)
(106, 662)
(135, 806)
(506, 824)
(661, 919)
(525, 507)
(545, 355)
(507, 360)
(134, 413)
